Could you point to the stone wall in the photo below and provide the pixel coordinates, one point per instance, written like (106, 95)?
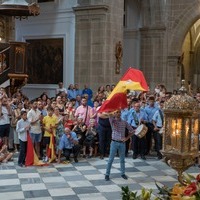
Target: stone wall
(56, 20)
(152, 33)
(181, 15)
(98, 29)
(164, 25)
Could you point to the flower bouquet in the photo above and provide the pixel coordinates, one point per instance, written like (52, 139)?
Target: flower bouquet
(189, 191)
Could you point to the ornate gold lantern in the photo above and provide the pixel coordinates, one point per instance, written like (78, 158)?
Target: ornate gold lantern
(181, 132)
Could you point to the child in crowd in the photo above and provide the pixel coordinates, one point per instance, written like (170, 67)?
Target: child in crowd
(22, 128)
(90, 138)
(49, 124)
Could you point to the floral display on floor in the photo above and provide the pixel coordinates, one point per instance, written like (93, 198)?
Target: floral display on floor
(189, 191)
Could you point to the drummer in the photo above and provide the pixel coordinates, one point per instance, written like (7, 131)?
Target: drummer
(135, 119)
(158, 119)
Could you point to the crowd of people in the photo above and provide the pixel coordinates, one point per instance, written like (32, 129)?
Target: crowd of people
(71, 120)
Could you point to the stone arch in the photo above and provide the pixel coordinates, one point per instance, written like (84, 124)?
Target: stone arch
(179, 30)
(176, 33)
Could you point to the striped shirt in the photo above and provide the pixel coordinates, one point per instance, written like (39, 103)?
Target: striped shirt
(118, 128)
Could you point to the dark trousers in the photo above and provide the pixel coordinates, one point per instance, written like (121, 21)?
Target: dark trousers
(75, 150)
(158, 141)
(139, 145)
(22, 152)
(104, 134)
(127, 142)
(149, 137)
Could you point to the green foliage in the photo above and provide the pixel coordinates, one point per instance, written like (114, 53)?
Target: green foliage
(130, 195)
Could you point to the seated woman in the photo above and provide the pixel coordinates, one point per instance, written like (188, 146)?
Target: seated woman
(5, 155)
(80, 130)
(90, 138)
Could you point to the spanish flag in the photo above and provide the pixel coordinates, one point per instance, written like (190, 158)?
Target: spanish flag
(31, 156)
(51, 150)
(133, 79)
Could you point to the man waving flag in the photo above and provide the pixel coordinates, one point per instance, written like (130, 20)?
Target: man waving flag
(133, 79)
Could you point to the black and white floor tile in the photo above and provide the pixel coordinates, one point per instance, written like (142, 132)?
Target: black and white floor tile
(83, 180)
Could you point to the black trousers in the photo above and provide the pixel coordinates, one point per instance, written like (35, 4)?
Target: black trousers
(22, 152)
(75, 150)
(158, 141)
(149, 137)
(127, 142)
(138, 145)
(104, 134)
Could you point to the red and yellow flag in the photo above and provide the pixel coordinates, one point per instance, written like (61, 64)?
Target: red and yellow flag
(133, 79)
(51, 150)
(31, 156)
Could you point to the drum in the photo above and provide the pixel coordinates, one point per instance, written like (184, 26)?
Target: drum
(141, 131)
(161, 131)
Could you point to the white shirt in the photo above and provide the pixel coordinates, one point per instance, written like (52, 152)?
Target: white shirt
(32, 116)
(20, 128)
(4, 119)
(58, 90)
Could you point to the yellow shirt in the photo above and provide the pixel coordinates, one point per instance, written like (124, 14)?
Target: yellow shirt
(48, 122)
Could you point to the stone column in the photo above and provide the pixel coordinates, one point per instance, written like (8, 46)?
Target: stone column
(173, 76)
(99, 27)
(152, 55)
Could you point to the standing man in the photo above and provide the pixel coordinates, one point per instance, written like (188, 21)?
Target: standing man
(158, 119)
(88, 91)
(61, 88)
(78, 91)
(136, 118)
(84, 111)
(118, 142)
(5, 113)
(34, 117)
(104, 133)
(150, 111)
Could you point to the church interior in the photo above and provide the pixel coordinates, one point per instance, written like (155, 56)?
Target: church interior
(93, 43)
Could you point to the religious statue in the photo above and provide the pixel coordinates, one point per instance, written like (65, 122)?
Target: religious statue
(118, 56)
(180, 67)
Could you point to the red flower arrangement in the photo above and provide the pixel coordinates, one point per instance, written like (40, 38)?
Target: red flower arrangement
(190, 192)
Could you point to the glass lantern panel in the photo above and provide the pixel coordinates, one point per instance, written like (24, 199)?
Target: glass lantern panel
(176, 130)
(167, 134)
(186, 135)
(195, 135)
(173, 128)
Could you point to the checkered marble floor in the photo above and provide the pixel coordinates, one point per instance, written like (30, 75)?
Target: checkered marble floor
(83, 180)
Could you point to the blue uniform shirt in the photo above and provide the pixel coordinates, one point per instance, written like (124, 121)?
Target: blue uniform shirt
(157, 118)
(135, 118)
(125, 114)
(66, 143)
(150, 111)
